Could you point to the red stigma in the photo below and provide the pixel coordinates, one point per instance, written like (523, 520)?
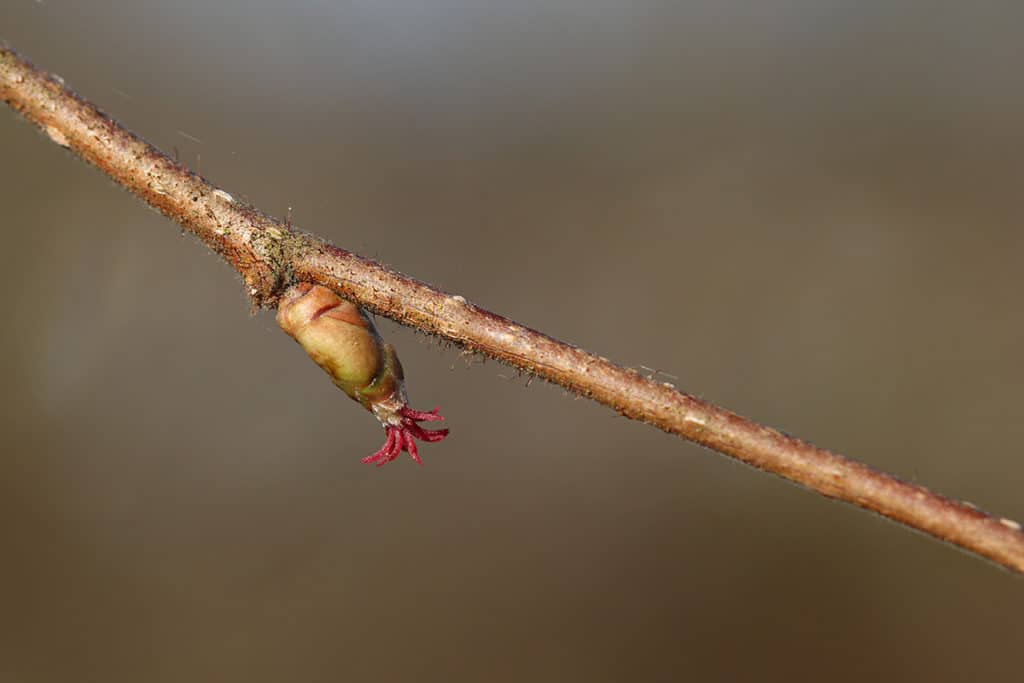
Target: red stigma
(402, 437)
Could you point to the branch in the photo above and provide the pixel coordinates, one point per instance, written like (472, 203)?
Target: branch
(271, 256)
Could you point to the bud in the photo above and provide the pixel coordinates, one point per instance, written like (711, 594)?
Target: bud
(342, 340)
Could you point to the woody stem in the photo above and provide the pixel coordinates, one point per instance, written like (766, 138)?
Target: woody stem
(270, 255)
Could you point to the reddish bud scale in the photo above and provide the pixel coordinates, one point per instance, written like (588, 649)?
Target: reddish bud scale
(342, 340)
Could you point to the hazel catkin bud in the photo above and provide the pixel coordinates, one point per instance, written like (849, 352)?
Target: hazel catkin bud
(335, 333)
(342, 340)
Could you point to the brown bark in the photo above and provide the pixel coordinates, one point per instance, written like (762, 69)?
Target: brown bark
(271, 256)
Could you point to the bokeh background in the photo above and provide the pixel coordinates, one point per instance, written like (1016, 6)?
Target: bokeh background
(809, 212)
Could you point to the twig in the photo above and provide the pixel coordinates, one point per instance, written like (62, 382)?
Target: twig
(271, 255)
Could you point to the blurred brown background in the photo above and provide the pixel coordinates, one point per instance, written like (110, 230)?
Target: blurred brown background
(809, 212)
